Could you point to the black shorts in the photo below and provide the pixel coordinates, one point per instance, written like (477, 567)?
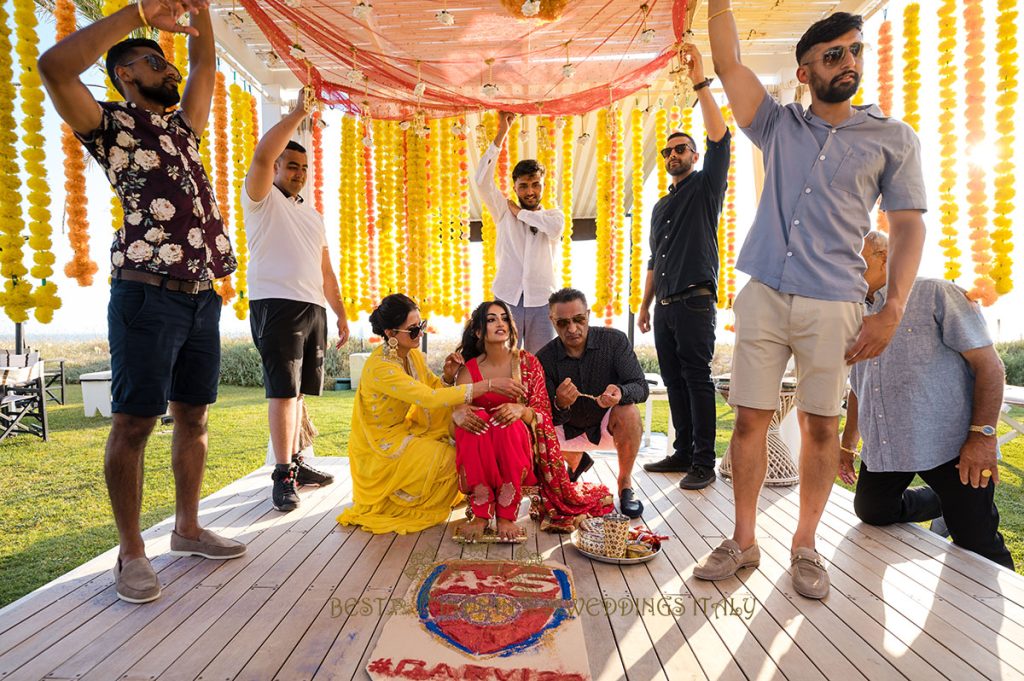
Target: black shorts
(164, 345)
(292, 339)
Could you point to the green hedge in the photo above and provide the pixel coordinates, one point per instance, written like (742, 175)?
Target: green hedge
(1013, 357)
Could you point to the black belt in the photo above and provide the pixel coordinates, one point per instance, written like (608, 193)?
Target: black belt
(179, 285)
(688, 293)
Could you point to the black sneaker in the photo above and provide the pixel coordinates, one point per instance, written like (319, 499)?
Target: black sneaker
(699, 477)
(630, 506)
(670, 464)
(938, 526)
(284, 496)
(307, 475)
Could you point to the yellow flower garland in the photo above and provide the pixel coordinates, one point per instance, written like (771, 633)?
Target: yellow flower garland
(1006, 49)
(568, 149)
(180, 58)
(348, 264)
(636, 236)
(116, 210)
(362, 242)
(417, 214)
(385, 206)
(602, 284)
(449, 218)
(401, 227)
(661, 133)
(949, 102)
(241, 145)
(730, 218)
(16, 297)
(911, 65)
(432, 242)
(45, 298)
(462, 264)
(723, 302)
(618, 213)
(487, 231)
(984, 288)
(370, 212)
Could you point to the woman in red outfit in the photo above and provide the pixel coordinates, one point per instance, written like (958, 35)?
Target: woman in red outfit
(502, 444)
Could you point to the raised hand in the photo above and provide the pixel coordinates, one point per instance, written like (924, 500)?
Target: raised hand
(164, 14)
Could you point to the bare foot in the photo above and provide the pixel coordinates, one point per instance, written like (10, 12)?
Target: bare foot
(508, 530)
(473, 529)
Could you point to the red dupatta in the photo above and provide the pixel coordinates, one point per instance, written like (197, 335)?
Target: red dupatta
(562, 504)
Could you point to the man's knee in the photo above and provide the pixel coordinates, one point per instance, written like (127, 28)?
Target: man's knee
(190, 416)
(625, 421)
(870, 511)
(820, 429)
(131, 427)
(751, 423)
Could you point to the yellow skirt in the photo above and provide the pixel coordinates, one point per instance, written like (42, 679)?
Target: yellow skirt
(408, 493)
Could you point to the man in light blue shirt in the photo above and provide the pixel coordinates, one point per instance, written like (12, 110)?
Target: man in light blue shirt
(927, 406)
(825, 167)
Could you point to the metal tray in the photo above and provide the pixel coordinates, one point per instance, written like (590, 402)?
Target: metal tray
(614, 561)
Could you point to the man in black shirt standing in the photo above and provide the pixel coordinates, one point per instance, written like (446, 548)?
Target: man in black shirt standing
(682, 275)
(594, 381)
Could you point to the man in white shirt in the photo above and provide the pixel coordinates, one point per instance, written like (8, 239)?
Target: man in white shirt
(291, 282)
(527, 244)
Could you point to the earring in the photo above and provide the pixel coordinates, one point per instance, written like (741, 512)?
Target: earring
(391, 346)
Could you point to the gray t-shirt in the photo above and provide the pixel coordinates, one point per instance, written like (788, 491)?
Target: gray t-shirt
(915, 399)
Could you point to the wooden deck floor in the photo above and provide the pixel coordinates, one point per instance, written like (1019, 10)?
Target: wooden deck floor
(904, 604)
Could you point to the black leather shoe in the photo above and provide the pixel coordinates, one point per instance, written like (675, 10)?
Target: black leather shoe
(670, 464)
(629, 504)
(585, 464)
(699, 477)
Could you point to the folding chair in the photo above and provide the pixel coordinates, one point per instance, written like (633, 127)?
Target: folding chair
(22, 395)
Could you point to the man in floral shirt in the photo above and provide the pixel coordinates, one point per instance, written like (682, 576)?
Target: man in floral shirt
(163, 318)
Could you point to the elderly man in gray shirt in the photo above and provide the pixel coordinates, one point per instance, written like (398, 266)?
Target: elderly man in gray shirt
(927, 406)
(825, 167)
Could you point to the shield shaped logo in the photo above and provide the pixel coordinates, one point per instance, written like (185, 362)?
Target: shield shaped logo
(493, 608)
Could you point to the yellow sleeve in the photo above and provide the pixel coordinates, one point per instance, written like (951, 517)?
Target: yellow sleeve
(389, 379)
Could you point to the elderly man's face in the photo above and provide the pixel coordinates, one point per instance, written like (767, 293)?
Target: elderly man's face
(876, 259)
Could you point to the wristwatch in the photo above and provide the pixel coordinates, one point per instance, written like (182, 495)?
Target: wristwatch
(984, 430)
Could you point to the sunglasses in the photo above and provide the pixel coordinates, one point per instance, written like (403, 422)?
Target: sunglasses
(414, 331)
(680, 149)
(156, 62)
(835, 55)
(578, 320)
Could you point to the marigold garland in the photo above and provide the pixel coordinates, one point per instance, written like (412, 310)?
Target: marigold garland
(44, 298)
(384, 160)
(223, 285)
(568, 149)
(723, 302)
(166, 41)
(602, 284)
(462, 273)
(317, 141)
(16, 297)
(661, 128)
(512, 141)
(487, 229)
(974, 113)
(618, 195)
(1006, 49)
(180, 59)
(885, 92)
(636, 121)
(349, 264)
(418, 283)
(449, 217)
(949, 103)
(241, 146)
(911, 65)
(401, 229)
(369, 207)
(729, 293)
(112, 95)
(362, 241)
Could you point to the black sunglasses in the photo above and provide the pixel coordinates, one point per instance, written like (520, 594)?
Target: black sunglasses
(680, 149)
(578, 320)
(156, 62)
(837, 54)
(414, 332)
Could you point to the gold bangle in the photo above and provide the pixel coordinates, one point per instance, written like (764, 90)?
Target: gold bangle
(853, 452)
(719, 13)
(142, 15)
(488, 385)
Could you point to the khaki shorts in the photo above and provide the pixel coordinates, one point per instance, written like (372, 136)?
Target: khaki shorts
(770, 327)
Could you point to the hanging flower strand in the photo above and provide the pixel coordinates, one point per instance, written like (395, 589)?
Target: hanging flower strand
(1006, 49)
(949, 102)
(636, 234)
(911, 65)
(568, 148)
(220, 162)
(16, 295)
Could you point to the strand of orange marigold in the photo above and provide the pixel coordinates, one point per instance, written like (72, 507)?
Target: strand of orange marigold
(81, 268)
(512, 141)
(220, 160)
(636, 222)
(449, 217)
(373, 290)
(401, 230)
(1005, 191)
(568, 149)
(488, 230)
(166, 41)
(349, 261)
(240, 144)
(661, 132)
(382, 160)
(602, 284)
(723, 302)
(619, 211)
(885, 92)
(317, 139)
(17, 291)
(974, 74)
(949, 103)
(730, 217)
(462, 273)
(44, 296)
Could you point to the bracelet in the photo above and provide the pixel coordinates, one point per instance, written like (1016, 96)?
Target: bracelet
(719, 13)
(703, 84)
(488, 385)
(142, 15)
(852, 452)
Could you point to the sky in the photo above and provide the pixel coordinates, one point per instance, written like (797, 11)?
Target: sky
(84, 309)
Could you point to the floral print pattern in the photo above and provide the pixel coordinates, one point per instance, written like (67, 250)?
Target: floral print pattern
(172, 226)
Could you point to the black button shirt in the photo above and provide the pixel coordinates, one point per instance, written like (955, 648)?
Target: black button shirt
(684, 226)
(608, 359)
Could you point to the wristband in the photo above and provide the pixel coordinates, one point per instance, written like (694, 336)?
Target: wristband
(703, 84)
(142, 15)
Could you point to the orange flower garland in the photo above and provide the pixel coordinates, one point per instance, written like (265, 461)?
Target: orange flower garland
(636, 221)
(512, 141)
(730, 217)
(220, 137)
(949, 102)
(1006, 49)
(317, 138)
(568, 147)
(974, 113)
(722, 301)
(885, 71)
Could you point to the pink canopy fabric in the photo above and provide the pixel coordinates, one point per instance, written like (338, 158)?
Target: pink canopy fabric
(374, 63)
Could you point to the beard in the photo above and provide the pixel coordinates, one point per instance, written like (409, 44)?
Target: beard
(680, 168)
(833, 92)
(165, 94)
(529, 204)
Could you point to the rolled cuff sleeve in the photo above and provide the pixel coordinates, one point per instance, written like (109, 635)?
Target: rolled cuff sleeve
(902, 182)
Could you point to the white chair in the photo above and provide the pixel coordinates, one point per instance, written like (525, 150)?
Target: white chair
(658, 391)
(22, 395)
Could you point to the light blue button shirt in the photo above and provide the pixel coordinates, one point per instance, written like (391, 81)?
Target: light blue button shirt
(915, 400)
(821, 183)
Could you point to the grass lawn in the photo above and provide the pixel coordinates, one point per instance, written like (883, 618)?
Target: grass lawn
(55, 513)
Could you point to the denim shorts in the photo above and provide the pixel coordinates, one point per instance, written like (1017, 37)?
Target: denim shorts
(164, 345)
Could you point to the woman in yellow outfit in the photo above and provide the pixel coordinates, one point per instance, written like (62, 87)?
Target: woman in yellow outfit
(400, 452)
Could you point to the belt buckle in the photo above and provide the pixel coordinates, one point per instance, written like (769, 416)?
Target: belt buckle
(189, 287)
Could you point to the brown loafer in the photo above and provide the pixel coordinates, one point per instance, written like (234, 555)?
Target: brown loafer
(136, 581)
(726, 560)
(808, 573)
(209, 545)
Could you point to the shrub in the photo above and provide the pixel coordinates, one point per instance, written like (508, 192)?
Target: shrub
(1013, 357)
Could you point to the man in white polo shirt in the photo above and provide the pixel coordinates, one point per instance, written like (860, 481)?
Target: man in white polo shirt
(527, 243)
(291, 282)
